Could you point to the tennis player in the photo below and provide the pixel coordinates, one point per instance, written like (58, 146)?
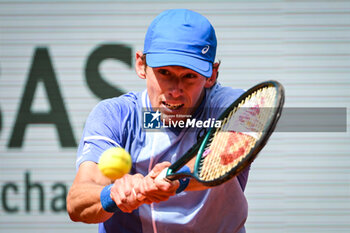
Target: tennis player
(178, 65)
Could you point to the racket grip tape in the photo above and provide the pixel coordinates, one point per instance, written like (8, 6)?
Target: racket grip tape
(106, 201)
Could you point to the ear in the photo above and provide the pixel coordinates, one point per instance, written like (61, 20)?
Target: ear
(140, 65)
(212, 80)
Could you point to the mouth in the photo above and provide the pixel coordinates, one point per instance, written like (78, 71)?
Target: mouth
(172, 106)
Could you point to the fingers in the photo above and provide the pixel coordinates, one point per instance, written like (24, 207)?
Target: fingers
(157, 189)
(131, 191)
(161, 183)
(149, 191)
(166, 185)
(146, 186)
(158, 168)
(122, 192)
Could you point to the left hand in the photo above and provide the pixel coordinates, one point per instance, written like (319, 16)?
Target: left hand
(122, 192)
(156, 189)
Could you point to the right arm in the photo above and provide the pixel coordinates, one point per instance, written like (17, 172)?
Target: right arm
(83, 200)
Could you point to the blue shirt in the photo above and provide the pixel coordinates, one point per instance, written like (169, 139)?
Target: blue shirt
(118, 122)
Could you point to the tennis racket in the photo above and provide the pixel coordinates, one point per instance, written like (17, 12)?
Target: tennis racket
(246, 126)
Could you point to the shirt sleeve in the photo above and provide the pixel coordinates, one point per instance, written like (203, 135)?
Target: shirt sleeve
(222, 97)
(102, 131)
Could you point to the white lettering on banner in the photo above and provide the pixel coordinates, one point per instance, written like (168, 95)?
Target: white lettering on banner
(192, 123)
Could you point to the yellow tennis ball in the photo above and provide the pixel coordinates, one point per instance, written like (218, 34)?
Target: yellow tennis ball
(114, 163)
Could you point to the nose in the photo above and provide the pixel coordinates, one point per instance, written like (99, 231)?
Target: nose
(176, 87)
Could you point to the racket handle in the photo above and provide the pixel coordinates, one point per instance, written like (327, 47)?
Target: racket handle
(173, 176)
(183, 172)
(184, 181)
(162, 174)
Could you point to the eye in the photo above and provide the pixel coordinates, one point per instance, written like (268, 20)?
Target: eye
(190, 76)
(164, 72)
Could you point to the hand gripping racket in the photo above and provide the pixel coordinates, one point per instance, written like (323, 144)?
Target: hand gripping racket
(246, 125)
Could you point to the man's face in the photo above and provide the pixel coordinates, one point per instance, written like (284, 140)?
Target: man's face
(175, 90)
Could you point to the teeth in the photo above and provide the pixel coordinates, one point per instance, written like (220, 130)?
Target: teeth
(173, 106)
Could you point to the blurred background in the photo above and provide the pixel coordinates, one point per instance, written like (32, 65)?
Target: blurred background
(58, 59)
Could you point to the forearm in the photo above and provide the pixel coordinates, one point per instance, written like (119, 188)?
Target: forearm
(194, 185)
(83, 203)
(83, 200)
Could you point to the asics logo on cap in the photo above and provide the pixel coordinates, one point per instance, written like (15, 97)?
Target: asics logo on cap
(205, 49)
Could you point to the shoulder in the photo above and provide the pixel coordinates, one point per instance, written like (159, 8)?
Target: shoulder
(122, 105)
(220, 96)
(112, 115)
(128, 100)
(114, 118)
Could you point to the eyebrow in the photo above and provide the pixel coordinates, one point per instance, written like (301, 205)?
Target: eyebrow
(172, 70)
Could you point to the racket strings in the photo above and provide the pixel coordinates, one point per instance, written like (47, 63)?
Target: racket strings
(239, 132)
(212, 147)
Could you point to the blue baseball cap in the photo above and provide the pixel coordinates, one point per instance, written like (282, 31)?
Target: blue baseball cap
(181, 37)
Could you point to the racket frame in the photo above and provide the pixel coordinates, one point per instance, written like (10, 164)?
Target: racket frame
(198, 149)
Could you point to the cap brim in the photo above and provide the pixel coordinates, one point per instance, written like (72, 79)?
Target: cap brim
(202, 67)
